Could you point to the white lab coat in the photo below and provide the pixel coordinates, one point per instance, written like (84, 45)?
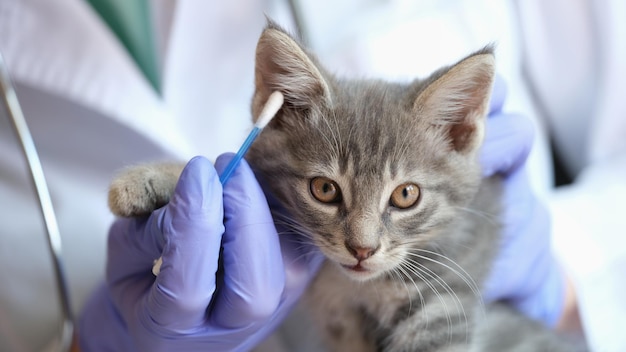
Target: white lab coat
(92, 112)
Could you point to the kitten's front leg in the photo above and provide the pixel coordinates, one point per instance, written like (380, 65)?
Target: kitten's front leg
(332, 303)
(445, 323)
(139, 190)
(343, 332)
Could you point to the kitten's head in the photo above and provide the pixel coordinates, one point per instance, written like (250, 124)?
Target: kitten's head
(370, 169)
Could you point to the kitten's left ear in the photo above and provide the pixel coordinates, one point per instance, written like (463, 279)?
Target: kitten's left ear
(458, 100)
(283, 65)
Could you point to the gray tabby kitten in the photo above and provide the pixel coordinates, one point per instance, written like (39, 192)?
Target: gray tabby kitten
(384, 179)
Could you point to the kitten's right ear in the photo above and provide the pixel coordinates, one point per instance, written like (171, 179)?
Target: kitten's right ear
(283, 65)
(457, 101)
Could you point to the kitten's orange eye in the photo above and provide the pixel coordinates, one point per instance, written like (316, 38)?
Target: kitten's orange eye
(325, 190)
(405, 196)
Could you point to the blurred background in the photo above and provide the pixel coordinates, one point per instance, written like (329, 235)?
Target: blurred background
(107, 83)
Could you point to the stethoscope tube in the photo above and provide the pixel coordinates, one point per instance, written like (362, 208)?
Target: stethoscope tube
(25, 138)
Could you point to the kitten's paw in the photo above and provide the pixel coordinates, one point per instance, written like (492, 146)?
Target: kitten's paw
(139, 190)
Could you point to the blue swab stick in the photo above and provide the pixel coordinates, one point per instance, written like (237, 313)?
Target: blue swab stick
(274, 103)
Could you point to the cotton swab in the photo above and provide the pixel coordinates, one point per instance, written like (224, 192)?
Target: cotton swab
(271, 107)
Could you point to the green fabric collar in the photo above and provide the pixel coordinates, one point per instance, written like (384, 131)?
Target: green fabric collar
(131, 21)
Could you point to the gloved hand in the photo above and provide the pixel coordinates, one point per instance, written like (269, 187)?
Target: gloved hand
(525, 273)
(195, 303)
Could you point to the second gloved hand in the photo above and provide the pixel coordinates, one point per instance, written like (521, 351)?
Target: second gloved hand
(525, 272)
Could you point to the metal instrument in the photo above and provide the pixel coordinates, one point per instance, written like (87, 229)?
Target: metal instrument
(16, 117)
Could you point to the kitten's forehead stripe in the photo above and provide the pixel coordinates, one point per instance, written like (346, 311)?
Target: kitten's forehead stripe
(393, 167)
(385, 135)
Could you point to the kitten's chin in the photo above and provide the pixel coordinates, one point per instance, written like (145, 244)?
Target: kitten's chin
(359, 272)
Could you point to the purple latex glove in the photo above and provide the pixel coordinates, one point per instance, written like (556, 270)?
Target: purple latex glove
(197, 302)
(525, 273)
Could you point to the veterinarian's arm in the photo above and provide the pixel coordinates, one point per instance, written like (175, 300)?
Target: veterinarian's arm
(570, 320)
(197, 302)
(525, 273)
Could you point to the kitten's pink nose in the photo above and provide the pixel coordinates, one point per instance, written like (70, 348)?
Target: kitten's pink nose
(360, 253)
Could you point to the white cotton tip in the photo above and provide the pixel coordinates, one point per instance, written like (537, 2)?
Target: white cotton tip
(273, 104)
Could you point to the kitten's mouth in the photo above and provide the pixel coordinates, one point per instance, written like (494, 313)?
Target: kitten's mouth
(359, 272)
(357, 267)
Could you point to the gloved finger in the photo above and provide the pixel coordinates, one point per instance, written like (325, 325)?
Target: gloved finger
(498, 95)
(253, 272)
(133, 245)
(519, 242)
(508, 140)
(526, 272)
(192, 227)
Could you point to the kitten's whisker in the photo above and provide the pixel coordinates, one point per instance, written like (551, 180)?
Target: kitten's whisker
(400, 152)
(350, 133)
(395, 274)
(468, 280)
(422, 300)
(301, 256)
(444, 284)
(418, 271)
(328, 141)
(284, 217)
(291, 224)
(419, 292)
(484, 215)
(398, 274)
(303, 251)
(346, 147)
(298, 233)
(306, 245)
(287, 228)
(335, 134)
(464, 275)
(432, 287)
